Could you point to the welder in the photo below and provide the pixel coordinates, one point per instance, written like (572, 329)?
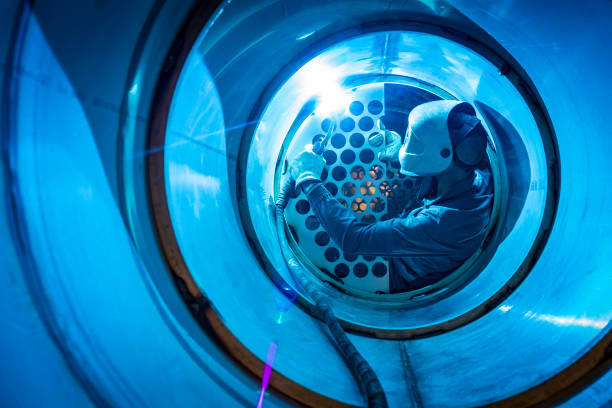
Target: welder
(445, 220)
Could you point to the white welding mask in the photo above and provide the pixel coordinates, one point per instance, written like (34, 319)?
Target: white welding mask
(427, 149)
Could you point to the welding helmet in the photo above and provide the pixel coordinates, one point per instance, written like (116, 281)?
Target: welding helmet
(439, 133)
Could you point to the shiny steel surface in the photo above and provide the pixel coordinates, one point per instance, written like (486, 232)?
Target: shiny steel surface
(91, 315)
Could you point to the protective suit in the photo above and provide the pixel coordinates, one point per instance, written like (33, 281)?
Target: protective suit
(426, 242)
(435, 233)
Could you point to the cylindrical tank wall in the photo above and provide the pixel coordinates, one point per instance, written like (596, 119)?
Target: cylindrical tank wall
(94, 301)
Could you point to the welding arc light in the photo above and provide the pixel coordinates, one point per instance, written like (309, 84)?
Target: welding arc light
(320, 81)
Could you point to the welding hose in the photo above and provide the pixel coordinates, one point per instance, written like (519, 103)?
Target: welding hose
(362, 372)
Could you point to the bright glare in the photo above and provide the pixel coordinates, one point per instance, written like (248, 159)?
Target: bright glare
(306, 35)
(568, 320)
(321, 81)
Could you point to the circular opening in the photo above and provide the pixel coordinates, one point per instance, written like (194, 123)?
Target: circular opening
(357, 140)
(312, 222)
(383, 191)
(360, 270)
(359, 205)
(332, 188)
(347, 156)
(357, 173)
(278, 128)
(377, 204)
(375, 107)
(356, 108)
(376, 139)
(330, 157)
(341, 270)
(367, 188)
(376, 172)
(322, 238)
(366, 123)
(347, 124)
(339, 173)
(349, 189)
(366, 156)
(338, 141)
(332, 254)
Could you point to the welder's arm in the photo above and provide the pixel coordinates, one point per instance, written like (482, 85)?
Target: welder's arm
(395, 237)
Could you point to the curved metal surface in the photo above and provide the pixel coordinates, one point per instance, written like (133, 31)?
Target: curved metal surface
(102, 286)
(509, 265)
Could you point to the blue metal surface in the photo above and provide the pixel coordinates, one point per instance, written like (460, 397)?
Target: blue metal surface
(89, 314)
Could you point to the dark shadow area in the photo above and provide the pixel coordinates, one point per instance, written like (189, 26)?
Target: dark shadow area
(512, 152)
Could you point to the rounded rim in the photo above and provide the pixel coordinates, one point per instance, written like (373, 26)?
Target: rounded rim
(508, 67)
(427, 294)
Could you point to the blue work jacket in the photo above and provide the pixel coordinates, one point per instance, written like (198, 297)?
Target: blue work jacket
(427, 241)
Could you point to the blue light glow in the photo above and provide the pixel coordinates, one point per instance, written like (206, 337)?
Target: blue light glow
(91, 316)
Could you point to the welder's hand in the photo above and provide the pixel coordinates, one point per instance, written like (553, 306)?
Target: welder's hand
(391, 148)
(306, 166)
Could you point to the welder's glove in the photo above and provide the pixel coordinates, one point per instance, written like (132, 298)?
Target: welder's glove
(306, 166)
(391, 148)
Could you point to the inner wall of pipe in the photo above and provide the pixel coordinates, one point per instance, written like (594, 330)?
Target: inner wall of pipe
(88, 280)
(563, 305)
(248, 296)
(221, 262)
(200, 199)
(463, 74)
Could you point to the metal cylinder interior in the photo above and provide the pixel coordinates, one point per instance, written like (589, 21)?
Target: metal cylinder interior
(144, 138)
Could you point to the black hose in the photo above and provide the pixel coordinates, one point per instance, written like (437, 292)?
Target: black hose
(362, 372)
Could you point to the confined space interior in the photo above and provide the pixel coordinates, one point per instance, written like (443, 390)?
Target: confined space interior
(140, 190)
(349, 111)
(343, 94)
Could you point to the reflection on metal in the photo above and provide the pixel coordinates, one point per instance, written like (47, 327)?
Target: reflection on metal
(568, 320)
(62, 114)
(199, 305)
(479, 292)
